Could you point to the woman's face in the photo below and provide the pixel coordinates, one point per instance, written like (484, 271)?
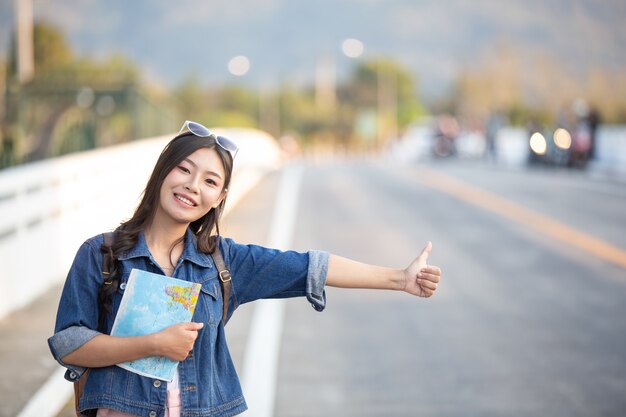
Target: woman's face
(193, 187)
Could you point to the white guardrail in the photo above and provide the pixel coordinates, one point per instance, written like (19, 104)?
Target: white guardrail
(48, 208)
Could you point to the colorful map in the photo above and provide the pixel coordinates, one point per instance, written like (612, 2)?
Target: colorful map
(152, 302)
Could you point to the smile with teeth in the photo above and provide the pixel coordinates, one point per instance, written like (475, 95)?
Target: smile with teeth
(184, 200)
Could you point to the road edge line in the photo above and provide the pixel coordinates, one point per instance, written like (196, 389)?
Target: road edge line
(260, 363)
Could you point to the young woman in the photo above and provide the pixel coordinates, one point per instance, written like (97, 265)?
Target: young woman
(171, 233)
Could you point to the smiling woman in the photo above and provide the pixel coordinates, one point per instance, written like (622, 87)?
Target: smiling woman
(192, 188)
(175, 232)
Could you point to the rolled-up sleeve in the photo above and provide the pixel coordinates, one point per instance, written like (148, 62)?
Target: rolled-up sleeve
(259, 272)
(67, 341)
(77, 316)
(316, 279)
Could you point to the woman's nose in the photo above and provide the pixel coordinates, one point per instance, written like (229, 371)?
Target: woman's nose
(191, 186)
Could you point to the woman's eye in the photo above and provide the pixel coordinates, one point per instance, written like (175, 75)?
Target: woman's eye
(183, 169)
(210, 181)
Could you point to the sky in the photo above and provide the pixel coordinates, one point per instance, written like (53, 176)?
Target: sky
(286, 39)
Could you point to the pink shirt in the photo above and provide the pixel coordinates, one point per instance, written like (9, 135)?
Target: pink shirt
(173, 402)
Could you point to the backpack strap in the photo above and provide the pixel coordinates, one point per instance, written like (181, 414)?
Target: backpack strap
(108, 266)
(107, 258)
(107, 269)
(225, 279)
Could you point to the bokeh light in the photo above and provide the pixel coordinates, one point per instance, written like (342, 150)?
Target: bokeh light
(352, 48)
(239, 65)
(562, 138)
(538, 143)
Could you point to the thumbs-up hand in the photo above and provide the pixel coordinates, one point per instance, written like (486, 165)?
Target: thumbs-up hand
(422, 279)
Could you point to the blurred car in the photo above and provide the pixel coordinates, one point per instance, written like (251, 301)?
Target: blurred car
(558, 147)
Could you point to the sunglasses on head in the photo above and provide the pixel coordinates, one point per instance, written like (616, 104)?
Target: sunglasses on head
(199, 130)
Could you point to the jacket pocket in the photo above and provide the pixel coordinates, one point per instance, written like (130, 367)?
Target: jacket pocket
(209, 307)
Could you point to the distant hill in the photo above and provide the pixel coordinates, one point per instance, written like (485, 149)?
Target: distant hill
(284, 39)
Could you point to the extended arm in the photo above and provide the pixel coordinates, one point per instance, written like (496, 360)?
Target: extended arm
(418, 278)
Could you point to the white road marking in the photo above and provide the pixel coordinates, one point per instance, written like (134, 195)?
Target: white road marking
(260, 364)
(50, 398)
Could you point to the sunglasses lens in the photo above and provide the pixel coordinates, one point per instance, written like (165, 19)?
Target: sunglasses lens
(198, 130)
(226, 143)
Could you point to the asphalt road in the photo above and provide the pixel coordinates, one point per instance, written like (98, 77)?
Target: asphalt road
(529, 317)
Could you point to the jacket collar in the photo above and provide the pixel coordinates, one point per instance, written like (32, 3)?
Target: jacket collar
(190, 252)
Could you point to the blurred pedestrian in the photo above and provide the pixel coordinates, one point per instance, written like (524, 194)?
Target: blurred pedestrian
(173, 232)
(446, 132)
(583, 135)
(495, 122)
(593, 119)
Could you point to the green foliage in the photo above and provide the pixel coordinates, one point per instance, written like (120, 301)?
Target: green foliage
(191, 98)
(76, 103)
(382, 85)
(227, 119)
(380, 88)
(520, 115)
(228, 106)
(51, 49)
(238, 98)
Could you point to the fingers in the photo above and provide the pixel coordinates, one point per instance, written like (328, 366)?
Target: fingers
(427, 284)
(193, 325)
(426, 293)
(192, 328)
(431, 270)
(180, 339)
(428, 280)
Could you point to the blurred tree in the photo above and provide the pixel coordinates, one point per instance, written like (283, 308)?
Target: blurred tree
(51, 50)
(50, 47)
(238, 98)
(77, 103)
(606, 92)
(385, 85)
(298, 112)
(534, 84)
(493, 83)
(191, 97)
(295, 110)
(225, 106)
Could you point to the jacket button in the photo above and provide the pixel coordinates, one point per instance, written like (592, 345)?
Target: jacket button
(156, 383)
(123, 286)
(73, 375)
(152, 413)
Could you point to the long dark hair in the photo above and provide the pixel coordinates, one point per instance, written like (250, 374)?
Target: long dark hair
(127, 233)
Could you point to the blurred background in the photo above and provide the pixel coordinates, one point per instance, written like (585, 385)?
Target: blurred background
(346, 75)
(497, 130)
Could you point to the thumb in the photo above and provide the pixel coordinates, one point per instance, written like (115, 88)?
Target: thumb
(423, 256)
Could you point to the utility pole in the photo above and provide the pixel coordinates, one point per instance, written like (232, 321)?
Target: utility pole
(25, 50)
(25, 66)
(269, 111)
(387, 97)
(325, 83)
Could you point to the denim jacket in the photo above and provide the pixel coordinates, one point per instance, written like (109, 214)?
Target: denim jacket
(209, 385)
